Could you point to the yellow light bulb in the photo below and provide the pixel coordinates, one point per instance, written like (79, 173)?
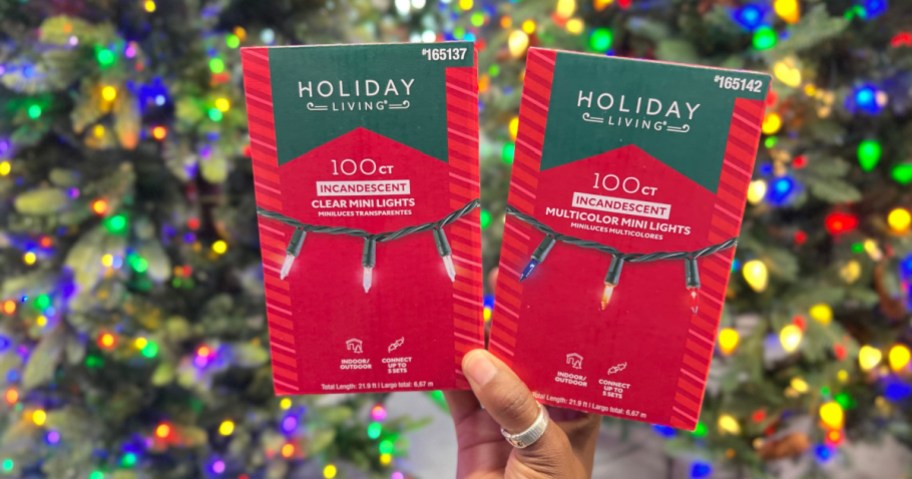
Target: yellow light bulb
(575, 26)
(220, 247)
(39, 417)
(831, 415)
(788, 10)
(386, 459)
(772, 123)
(513, 127)
(842, 375)
(899, 357)
(728, 340)
(787, 72)
(107, 260)
(29, 258)
(729, 425)
(869, 357)
(222, 104)
(41, 321)
(140, 343)
(528, 26)
(517, 43)
(756, 191)
(285, 403)
(98, 131)
(466, 5)
(150, 6)
(226, 428)
(756, 275)
(330, 471)
(822, 313)
(5, 168)
(109, 93)
(874, 252)
(899, 220)
(799, 385)
(850, 271)
(565, 8)
(790, 336)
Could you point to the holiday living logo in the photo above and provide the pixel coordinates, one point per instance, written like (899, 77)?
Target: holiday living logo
(638, 112)
(356, 95)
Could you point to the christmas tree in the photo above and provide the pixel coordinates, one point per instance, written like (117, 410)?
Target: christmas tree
(133, 340)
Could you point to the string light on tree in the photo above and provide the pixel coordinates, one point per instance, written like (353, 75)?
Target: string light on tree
(226, 428)
(329, 471)
(788, 10)
(790, 337)
(600, 39)
(100, 207)
(765, 38)
(749, 17)
(899, 357)
(107, 341)
(729, 425)
(869, 153)
(756, 275)
(108, 93)
(832, 415)
(39, 417)
(902, 173)
(756, 191)
(728, 340)
(822, 313)
(899, 220)
(840, 222)
(869, 357)
(163, 431)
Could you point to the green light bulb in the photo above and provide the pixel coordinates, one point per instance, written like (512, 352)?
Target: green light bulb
(485, 219)
(216, 65)
(869, 152)
(34, 112)
(902, 173)
(765, 38)
(507, 153)
(600, 39)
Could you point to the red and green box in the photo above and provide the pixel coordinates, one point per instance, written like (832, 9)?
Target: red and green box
(628, 186)
(365, 161)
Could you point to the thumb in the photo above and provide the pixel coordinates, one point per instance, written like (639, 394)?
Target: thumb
(510, 403)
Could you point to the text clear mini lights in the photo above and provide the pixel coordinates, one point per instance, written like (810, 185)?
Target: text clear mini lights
(618, 258)
(369, 253)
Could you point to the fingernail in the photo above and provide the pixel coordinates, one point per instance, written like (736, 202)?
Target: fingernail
(479, 368)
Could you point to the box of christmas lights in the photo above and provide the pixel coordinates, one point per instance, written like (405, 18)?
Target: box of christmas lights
(366, 180)
(628, 185)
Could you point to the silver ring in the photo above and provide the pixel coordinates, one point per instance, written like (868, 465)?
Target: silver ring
(532, 434)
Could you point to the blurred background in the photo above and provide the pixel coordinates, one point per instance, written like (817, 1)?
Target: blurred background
(132, 332)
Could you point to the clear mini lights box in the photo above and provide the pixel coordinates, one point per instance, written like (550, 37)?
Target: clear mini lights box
(628, 185)
(365, 162)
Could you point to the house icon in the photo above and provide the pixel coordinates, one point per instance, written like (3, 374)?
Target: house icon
(575, 360)
(354, 345)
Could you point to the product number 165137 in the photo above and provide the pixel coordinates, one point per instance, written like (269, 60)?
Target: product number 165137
(438, 54)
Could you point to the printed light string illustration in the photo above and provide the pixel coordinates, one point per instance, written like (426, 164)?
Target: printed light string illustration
(618, 258)
(369, 254)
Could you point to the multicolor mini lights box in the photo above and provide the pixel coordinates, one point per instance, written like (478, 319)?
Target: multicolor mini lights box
(365, 161)
(628, 186)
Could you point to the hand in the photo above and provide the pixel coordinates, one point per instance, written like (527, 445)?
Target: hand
(565, 450)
